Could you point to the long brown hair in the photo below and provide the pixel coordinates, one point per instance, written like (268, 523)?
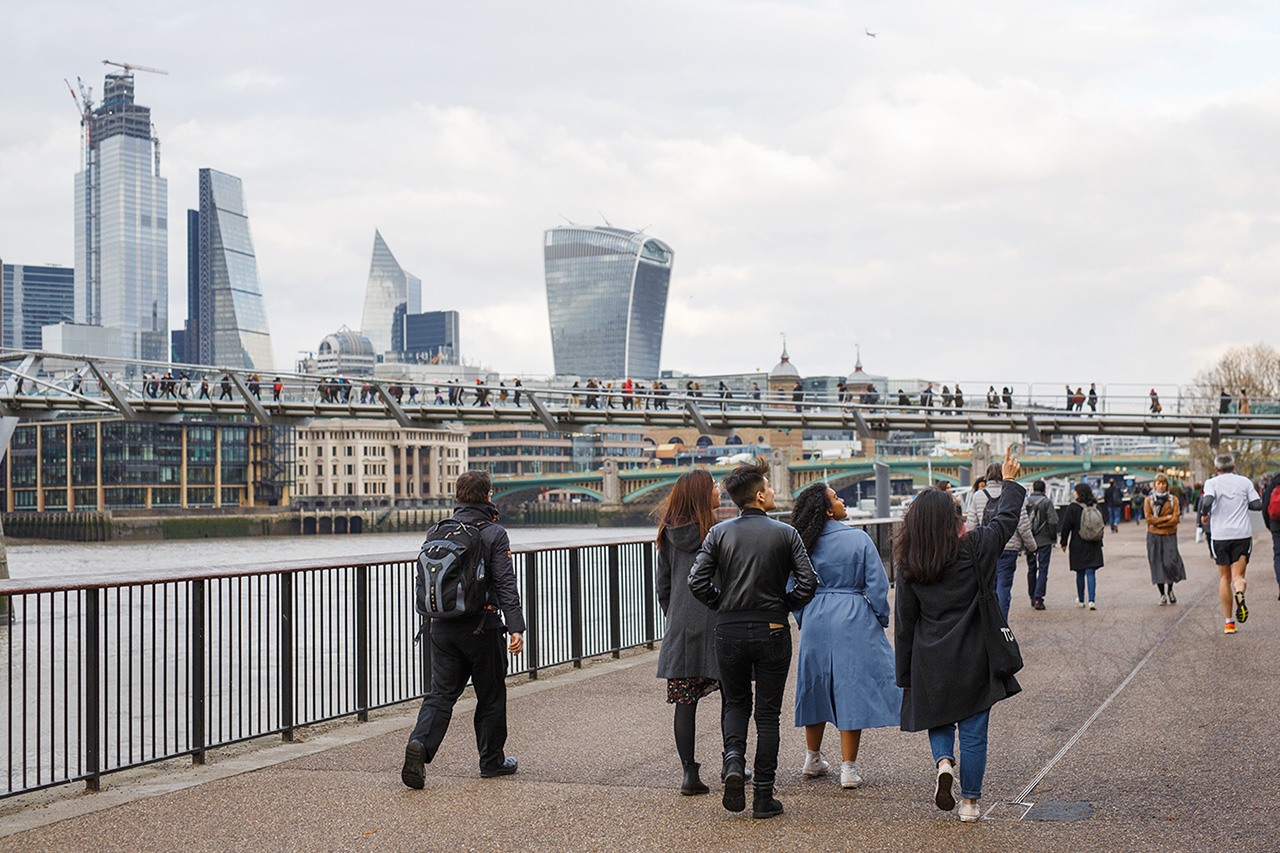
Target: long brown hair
(689, 502)
(927, 541)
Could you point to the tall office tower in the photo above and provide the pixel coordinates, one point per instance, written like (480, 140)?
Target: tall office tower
(392, 294)
(122, 225)
(227, 320)
(432, 336)
(34, 297)
(607, 298)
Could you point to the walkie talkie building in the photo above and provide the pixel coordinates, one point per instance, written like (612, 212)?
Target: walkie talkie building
(607, 300)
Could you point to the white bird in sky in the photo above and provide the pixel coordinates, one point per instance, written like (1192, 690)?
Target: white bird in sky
(873, 35)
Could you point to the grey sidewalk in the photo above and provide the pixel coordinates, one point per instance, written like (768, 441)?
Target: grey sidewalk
(1183, 757)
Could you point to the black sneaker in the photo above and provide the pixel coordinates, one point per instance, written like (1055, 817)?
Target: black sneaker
(1242, 612)
(1173, 599)
(764, 806)
(735, 798)
(1039, 605)
(506, 768)
(414, 758)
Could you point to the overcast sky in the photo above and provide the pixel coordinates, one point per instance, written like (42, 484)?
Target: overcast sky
(989, 191)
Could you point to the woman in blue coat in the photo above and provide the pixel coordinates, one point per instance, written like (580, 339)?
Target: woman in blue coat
(846, 670)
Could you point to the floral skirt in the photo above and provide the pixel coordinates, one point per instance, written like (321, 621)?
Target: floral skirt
(687, 691)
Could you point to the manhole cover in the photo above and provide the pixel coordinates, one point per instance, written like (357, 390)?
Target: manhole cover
(1060, 811)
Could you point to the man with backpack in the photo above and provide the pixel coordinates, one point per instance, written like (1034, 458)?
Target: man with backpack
(1224, 512)
(1271, 515)
(464, 580)
(981, 510)
(1043, 516)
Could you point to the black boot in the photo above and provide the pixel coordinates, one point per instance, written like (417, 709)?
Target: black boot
(735, 798)
(692, 784)
(764, 805)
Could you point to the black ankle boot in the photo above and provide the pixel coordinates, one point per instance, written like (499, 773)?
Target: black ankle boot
(735, 799)
(764, 805)
(692, 784)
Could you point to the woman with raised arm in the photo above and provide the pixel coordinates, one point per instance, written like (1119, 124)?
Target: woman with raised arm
(942, 633)
(845, 673)
(688, 656)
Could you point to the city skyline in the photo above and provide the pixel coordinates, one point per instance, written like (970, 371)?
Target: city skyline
(958, 186)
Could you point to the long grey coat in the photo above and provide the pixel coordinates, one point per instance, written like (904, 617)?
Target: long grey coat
(689, 646)
(940, 644)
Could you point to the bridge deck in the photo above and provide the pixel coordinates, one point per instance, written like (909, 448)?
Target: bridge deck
(1182, 759)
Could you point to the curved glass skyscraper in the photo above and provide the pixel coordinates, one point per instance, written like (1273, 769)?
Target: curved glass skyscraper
(392, 293)
(607, 299)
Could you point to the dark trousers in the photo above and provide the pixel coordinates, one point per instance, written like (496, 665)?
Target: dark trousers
(455, 657)
(1006, 568)
(748, 651)
(1275, 551)
(1038, 572)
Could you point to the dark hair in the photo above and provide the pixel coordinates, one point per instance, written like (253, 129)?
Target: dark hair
(980, 483)
(473, 487)
(688, 502)
(995, 472)
(927, 542)
(745, 481)
(1038, 486)
(1084, 494)
(809, 515)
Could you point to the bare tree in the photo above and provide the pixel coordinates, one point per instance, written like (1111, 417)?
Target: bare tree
(1254, 369)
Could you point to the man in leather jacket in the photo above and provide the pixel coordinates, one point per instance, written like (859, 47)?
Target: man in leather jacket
(752, 558)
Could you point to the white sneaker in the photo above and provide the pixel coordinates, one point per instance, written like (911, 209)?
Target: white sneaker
(969, 812)
(942, 796)
(1079, 603)
(814, 764)
(849, 777)
(1092, 606)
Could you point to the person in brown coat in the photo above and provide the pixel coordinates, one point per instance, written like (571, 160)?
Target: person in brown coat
(1163, 514)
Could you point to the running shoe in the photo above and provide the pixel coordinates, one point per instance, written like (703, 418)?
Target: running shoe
(1229, 628)
(1242, 612)
(1164, 600)
(1173, 599)
(1092, 606)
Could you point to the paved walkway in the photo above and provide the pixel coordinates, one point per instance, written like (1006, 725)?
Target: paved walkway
(1145, 723)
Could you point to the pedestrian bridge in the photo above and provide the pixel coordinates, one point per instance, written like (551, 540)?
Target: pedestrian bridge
(627, 486)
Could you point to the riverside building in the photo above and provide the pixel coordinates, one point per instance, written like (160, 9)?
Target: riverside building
(607, 300)
(511, 450)
(344, 463)
(115, 465)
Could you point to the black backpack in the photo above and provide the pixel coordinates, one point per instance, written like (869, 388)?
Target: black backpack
(988, 509)
(451, 580)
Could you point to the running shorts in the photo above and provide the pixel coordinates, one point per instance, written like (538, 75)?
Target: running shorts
(1227, 551)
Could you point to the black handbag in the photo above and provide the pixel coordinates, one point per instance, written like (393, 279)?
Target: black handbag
(1003, 654)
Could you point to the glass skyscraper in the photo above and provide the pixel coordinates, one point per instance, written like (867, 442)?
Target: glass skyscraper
(34, 297)
(607, 299)
(392, 294)
(227, 323)
(432, 336)
(122, 225)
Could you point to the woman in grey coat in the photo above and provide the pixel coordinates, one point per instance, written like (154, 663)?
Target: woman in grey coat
(688, 656)
(1163, 514)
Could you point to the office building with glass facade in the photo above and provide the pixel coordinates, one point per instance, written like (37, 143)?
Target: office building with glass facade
(122, 225)
(607, 300)
(34, 297)
(113, 464)
(227, 318)
(431, 337)
(391, 295)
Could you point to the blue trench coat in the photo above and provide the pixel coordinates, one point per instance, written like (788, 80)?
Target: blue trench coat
(846, 669)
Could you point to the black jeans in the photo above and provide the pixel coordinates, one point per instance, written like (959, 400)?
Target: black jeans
(749, 651)
(455, 657)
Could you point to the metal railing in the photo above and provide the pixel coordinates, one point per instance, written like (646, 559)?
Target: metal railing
(109, 672)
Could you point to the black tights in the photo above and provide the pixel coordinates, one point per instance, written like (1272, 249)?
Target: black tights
(686, 729)
(1161, 587)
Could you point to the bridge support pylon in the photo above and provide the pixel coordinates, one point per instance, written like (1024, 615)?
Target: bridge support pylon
(780, 477)
(981, 459)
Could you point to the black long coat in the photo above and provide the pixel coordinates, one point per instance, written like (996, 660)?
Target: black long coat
(940, 644)
(1081, 554)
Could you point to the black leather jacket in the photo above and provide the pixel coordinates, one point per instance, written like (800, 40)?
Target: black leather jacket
(752, 557)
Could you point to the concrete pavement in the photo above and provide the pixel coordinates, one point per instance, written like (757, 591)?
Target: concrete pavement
(1143, 727)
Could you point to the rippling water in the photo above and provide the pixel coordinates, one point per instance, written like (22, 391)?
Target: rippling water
(82, 558)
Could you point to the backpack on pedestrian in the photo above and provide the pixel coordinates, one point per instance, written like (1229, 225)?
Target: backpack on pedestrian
(1040, 521)
(988, 509)
(1092, 523)
(451, 582)
(1273, 503)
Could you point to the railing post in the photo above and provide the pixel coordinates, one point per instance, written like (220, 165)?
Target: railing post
(650, 595)
(195, 617)
(285, 622)
(362, 643)
(575, 607)
(615, 602)
(531, 608)
(92, 693)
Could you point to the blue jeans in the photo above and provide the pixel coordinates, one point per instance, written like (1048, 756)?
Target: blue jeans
(1117, 515)
(973, 750)
(1038, 572)
(1091, 577)
(1006, 568)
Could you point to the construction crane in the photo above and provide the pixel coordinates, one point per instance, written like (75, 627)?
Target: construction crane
(84, 106)
(129, 67)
